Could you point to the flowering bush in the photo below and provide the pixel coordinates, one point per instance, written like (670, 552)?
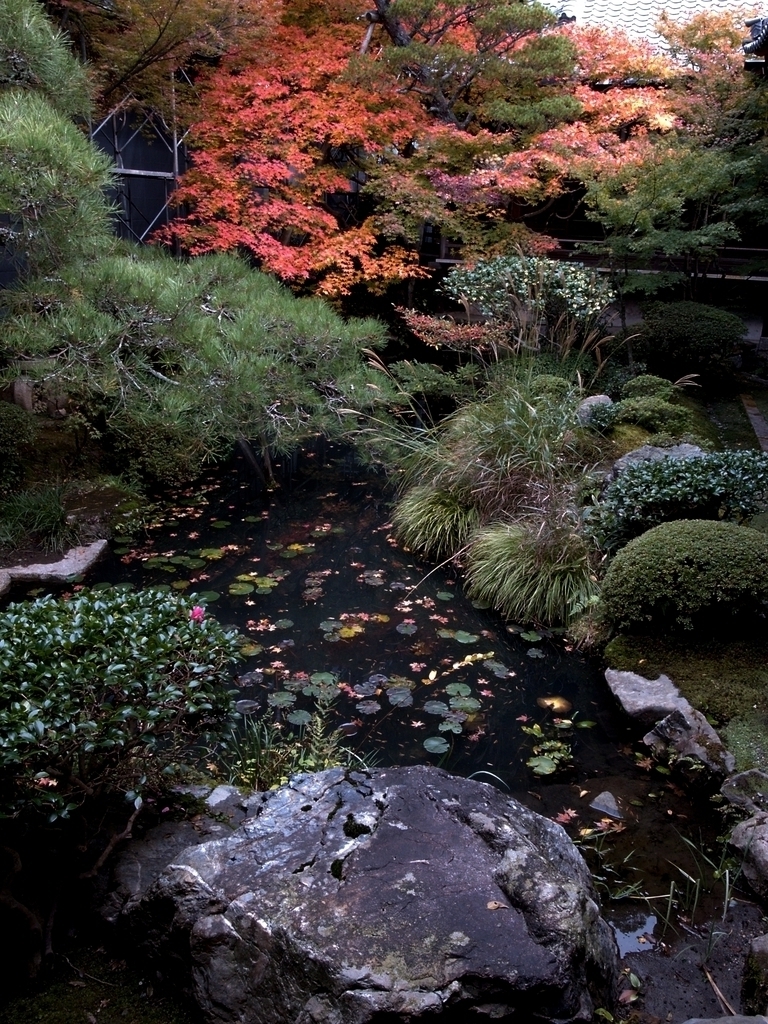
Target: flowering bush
(104, 693)
(548, 286)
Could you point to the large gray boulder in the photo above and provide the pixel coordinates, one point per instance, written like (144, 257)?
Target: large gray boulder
(386, 895)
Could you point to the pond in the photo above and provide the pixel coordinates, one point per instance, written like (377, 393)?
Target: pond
(314, 579)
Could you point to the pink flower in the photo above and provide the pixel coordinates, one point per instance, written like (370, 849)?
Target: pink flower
(197, 614)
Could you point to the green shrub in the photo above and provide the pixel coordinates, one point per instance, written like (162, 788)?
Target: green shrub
(722, 485)
(17, 432)
(653, 413)
(646, 385)
(687, 573)
(104, 693)
(37, 515)
(549, 385)
(534, 572)
(158, 453)
(683, 337)
(434, 522)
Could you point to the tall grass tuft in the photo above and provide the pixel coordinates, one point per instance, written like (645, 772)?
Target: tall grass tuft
(436, 523)
(38, 515)
(535, 570)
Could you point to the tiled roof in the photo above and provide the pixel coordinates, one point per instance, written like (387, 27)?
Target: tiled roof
(638, 17)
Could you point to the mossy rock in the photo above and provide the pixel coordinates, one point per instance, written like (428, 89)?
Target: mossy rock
(626, 437)
(724, 679)
(746, 736)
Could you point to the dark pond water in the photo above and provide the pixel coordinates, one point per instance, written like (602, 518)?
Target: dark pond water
(312, 575)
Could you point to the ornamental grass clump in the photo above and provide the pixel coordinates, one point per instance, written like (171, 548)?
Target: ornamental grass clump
(105, 693)
(686, 574)
(435, 522)
(532, 571)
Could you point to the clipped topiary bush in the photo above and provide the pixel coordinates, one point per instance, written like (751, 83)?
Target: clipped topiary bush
(646, 385)
(685, 574)
(104, 693)
(683, 337)
(723, 485)
(653, 413)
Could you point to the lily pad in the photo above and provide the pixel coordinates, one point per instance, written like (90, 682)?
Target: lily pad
(436, 707)
(406, 628)
(368, 707)
(155, 562)
(244, 707)
(283, 623)
(531, 636)
(458, 690)
(480, 605)
(238, 589)
(281, 699)
(446, 634)
(211, 554)
(465, 638)
(320, 678)
(541, 765)
(206, 595)
(299, 717)
(101, 587)
(329, 625)
(400, 698)
(444, 595)
(436, 744)
(367, 689)
(220, 524)
(585, 724)
(181, 584)
(251, 650)
(252, 519)
(450, 725)
(468, 704)
(534, 652)
(499, 670)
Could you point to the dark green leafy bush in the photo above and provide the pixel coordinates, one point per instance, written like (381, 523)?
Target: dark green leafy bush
(17, 432)
(685, 574)
(683, 337)
(104, 693)
(156, 452)
(722, 485)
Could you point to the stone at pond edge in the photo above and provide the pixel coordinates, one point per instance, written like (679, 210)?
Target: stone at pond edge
(689, 735)
(679, 730)
(748, 790)
(754, 984)
(737, 1019)
(77, 560)
(397, 893)
(606, 803)
(750, 838)
(647, 700)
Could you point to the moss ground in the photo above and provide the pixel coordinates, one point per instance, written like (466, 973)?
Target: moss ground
(106, 991)
(725, 679)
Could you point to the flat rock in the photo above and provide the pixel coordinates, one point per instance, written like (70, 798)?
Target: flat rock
(647, 700)
(389, 894)
(77, 560)
(606, 803)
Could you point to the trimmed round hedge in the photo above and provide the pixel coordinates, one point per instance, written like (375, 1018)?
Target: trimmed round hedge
(687, 573)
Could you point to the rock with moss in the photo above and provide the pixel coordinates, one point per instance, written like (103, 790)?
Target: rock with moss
(688, 573)
(391, 894)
